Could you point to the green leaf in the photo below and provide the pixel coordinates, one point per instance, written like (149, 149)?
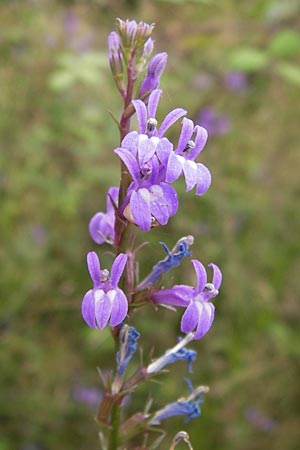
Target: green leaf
(286, 43)
(289, 72)
(248, 59)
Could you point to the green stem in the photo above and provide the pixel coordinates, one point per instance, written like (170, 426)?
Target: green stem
(114, 432)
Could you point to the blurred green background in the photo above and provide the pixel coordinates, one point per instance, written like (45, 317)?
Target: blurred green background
(235, 66)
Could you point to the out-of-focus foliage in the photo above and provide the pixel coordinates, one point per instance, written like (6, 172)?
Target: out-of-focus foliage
(56, 164)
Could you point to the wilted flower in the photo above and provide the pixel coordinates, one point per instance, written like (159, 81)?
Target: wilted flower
(199, 314)
(106, 301)
(188, 407)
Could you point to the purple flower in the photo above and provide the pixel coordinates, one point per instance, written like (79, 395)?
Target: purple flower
(101, 226)
(105, 302)
(199, 314)
(156, 67)
(88, 395)
(215, 122)
(133, 34)
(236, 81)
(147, 115)
(182, 160)
(149, 201)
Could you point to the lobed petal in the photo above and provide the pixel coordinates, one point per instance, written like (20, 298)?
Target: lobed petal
(103, 306)
(153, 102)
(171, 198)
(140, 208)
(141, 113)
(217, 275)
(170, 119)
(112, 195)
(95, 226)
(130, 162)
(185, 135)
(178, 295)
(117, 269)
(146, 149)
(200, 141)
(190, 173)
(158, 205)
(94, 268)
(164, 150)
(200, 274)
(174, 168)
(206, 318)
(131, 142)
(119, 307)
(190, 318)
(88, 309)
(203, 179)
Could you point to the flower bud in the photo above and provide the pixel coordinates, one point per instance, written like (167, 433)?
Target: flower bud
(156, 67)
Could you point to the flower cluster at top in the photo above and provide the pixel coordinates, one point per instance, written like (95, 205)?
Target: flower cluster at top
(146, 198)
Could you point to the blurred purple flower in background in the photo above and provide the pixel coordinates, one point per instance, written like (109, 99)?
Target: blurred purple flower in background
(259, 420)
(216, 123)
(90, 396)
(236, 81)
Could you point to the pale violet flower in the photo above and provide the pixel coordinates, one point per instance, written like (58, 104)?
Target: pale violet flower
(199, 314)
(101, 226)
(182, 159)
(106, 302)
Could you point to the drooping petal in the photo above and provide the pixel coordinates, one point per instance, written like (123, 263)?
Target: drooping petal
(206, 317)
(158, 205)
(140, 208)
(174, 168)
(217, 276)
(200, 141)
(103, 305)
(119, 307)
(141, 113)
(190, 318)
(171, 198)
(203, 179)
(186, 134)
(170, 119)
(117, 269)
(130, 162)
(88, 309)
(94, 267)
(153, 102)
(200, 274)
(190, 173)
